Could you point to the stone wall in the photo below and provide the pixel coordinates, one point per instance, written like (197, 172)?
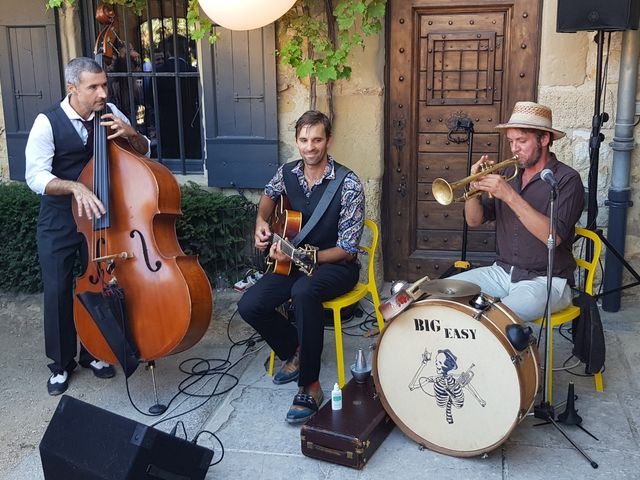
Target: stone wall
(358, 127)
(567, 84)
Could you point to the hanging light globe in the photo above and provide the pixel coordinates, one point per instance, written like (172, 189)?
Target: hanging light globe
(245, 14)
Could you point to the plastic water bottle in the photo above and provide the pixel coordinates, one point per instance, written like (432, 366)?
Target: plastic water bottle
(336, 398)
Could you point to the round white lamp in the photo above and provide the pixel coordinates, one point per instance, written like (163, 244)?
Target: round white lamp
(245, 14)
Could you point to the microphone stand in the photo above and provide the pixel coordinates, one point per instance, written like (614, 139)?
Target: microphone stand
(460, 133)
(545, 410)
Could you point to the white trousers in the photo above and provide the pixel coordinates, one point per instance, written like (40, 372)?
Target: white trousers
(527, 298)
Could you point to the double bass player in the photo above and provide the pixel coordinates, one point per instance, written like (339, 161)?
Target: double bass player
(60, 144)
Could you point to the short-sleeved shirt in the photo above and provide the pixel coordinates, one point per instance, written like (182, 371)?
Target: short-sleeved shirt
(517, 247)
(351, 221)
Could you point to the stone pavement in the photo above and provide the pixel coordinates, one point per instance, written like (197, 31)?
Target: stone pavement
(259, 444)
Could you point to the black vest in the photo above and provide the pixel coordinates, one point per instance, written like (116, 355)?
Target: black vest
(70, 156)
(325, 233)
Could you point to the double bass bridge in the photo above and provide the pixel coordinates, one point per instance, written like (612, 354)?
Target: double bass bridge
(115, 256)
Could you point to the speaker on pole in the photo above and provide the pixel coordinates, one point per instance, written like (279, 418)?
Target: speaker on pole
(609, 15)
(84, 442)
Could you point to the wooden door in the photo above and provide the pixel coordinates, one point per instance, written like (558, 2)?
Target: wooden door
(468, 60)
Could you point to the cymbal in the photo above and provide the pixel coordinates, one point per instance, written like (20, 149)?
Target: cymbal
(449, 288)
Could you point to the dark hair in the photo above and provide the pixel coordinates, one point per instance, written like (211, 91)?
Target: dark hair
(77, 66)
(313, 117)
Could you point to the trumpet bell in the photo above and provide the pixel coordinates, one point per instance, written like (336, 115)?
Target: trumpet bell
(442, 191)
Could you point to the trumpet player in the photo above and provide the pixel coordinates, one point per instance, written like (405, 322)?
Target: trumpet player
(520, 209)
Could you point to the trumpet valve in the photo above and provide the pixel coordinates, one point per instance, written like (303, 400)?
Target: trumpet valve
(485, 166)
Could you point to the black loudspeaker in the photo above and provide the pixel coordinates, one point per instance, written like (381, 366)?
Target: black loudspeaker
(84, 442)
(607, 15)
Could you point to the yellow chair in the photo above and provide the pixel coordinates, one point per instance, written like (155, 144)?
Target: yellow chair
(572, 312)
(350, 298)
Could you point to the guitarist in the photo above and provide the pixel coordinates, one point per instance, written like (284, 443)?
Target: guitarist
(336, 234)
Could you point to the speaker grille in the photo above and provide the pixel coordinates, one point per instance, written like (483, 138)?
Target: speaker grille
(588, 15)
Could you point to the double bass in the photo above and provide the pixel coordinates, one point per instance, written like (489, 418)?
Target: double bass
(167, 296)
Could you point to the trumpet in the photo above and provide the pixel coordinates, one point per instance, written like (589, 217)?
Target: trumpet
(443, 190)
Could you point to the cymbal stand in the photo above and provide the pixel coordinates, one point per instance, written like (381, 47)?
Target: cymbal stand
(544, 410)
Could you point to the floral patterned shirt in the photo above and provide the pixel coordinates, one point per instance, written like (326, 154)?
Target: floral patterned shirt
(351, 221)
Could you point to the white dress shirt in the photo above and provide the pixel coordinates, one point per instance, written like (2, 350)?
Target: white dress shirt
(41, 146)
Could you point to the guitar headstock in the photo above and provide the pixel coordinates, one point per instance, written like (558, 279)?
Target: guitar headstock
(306, 258)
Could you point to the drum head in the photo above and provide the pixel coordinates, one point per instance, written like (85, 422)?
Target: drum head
(447, 379)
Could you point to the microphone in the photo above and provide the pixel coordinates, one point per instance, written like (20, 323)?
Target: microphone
(547, 176)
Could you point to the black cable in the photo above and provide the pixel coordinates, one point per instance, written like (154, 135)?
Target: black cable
(203, 368)
(200, 370)
(195, 440)
(368, 324)
(594, 171)
(175, 428)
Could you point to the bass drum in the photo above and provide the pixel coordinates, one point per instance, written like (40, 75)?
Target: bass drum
(451, 380)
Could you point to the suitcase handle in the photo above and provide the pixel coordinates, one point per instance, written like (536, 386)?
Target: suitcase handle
(320, 448)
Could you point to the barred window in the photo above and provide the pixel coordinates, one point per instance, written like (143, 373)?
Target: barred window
(154, 79)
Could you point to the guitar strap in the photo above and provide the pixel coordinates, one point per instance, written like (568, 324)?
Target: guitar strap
(323, 204)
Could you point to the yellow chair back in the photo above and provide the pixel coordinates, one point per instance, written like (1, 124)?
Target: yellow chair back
(590, 266)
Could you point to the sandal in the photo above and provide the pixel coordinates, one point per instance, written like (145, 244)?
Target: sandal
(310, 408)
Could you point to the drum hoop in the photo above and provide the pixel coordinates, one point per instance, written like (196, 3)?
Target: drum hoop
(417, 438)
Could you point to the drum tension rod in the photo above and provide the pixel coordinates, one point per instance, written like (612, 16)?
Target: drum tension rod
(481, 304)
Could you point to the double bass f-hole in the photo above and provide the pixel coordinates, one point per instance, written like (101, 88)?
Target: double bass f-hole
(145, 252)
(94, 279)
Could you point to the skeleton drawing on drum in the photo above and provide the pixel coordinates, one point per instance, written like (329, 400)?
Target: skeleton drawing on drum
(446, 388)
(447, 373)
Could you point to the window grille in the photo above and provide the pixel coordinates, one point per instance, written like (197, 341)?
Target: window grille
(154, 79)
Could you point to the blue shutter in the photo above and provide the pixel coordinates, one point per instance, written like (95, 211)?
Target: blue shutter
(29, 72)
(240, 108)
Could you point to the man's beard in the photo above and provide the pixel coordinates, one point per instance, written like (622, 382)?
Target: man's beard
(533, 159)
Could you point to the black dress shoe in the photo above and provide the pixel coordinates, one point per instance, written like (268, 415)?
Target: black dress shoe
(101, 369)
(58, 383)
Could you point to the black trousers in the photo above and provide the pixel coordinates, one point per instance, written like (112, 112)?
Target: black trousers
(59, 244)
(258, 308)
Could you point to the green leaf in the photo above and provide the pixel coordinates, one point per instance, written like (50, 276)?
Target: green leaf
(305, 68)
(326, 73)
(376, 9)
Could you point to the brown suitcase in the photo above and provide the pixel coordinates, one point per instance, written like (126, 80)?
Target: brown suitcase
(349, 436)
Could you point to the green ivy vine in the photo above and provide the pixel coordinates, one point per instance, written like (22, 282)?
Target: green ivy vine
(330, 55)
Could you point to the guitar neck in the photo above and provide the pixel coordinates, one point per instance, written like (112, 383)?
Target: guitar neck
(285, 246)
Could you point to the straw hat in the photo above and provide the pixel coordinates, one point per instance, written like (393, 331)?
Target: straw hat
(531, 115)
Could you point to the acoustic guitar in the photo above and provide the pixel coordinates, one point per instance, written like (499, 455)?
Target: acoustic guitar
(285, 225)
